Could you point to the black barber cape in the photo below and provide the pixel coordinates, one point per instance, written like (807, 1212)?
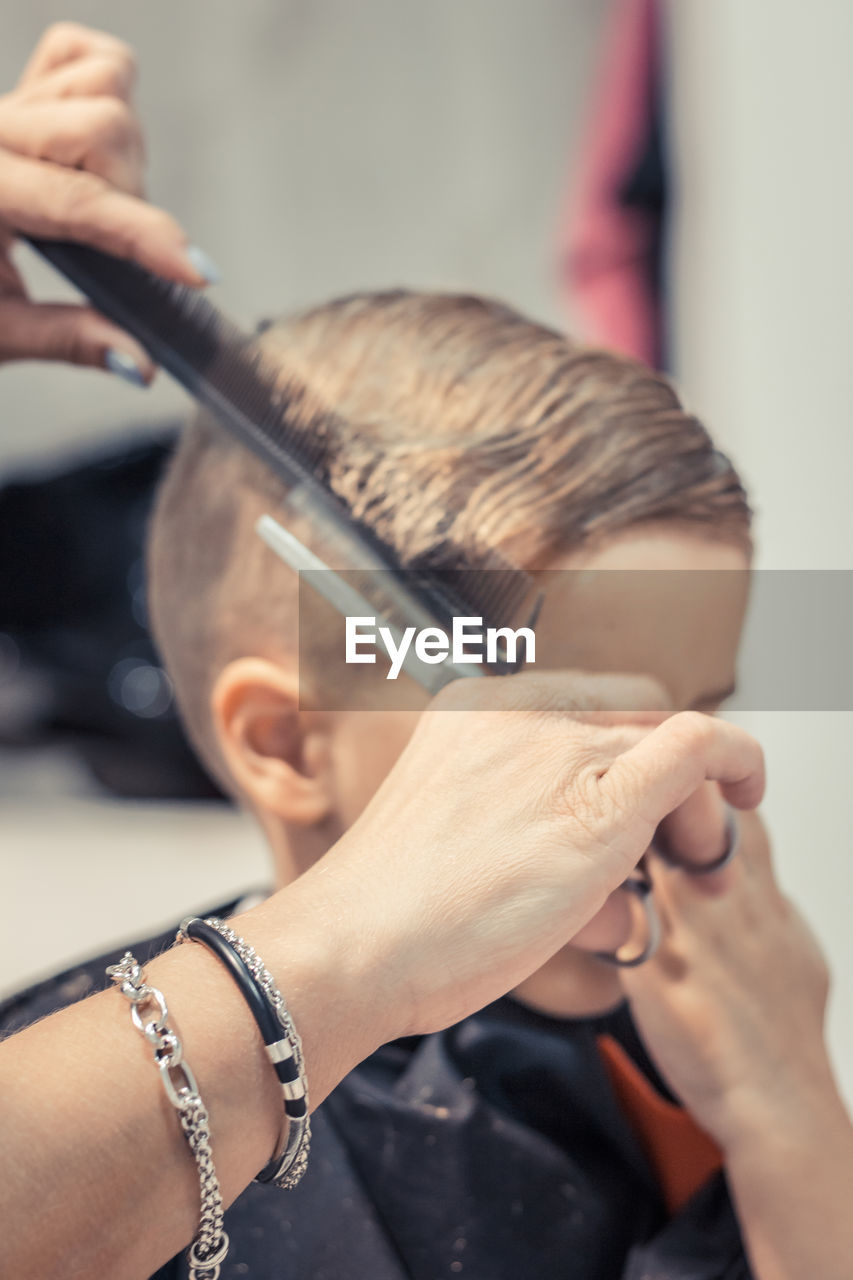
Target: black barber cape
(494, 1150)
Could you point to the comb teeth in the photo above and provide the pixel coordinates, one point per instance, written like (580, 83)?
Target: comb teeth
(490, 589)
(223, 367)
(277, 417)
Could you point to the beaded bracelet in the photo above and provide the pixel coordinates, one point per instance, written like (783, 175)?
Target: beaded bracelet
(210, 1247)
(283, 1045)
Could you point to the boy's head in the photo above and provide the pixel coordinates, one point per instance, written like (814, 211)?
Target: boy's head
(462, 424)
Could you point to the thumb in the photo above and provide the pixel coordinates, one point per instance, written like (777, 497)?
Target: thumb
(73, 334)
(665, 767)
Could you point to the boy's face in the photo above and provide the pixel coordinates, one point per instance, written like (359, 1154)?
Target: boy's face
(654, 600)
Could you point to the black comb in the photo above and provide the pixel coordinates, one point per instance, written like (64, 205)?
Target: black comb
(219, 364)
(289, 429)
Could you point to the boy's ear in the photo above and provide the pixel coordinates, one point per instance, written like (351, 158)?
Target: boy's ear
(279, 756)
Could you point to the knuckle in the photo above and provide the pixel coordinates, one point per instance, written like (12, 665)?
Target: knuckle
(131, 236)
(66, 341)
(125, 71)
(693, 729)
(106, 75)
(114, 123)
(77, 197)
(123, 54)
(76, 349)
(580, 795)
(60, 34)
(119, 67)
(161, 224)
(61, 39)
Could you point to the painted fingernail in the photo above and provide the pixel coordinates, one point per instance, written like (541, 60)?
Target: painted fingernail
(124, 366)
(203, 264)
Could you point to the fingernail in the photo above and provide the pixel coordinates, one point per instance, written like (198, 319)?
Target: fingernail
(203, 264)
(124, 366)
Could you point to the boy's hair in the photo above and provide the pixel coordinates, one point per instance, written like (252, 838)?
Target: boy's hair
(463, 423)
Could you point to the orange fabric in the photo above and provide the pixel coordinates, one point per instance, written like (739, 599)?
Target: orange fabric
(681, 1154)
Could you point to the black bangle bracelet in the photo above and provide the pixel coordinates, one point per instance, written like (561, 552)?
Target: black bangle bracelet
(281, 1040)
(278, 1046)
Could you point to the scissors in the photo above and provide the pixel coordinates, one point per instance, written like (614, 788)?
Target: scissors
(645, 934)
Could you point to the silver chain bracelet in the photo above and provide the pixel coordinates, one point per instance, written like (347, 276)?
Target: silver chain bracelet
(210, 1247)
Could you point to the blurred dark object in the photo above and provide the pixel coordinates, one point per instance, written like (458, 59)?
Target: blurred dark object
(77, 663)
(615, 240)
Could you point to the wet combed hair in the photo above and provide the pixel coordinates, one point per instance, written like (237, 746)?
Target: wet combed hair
(462, 423)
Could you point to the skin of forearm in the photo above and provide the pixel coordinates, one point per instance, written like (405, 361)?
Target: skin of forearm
(88, 1134)
(791, 1179)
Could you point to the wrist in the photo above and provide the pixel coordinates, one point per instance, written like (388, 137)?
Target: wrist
(330, 979)
(791, 1113)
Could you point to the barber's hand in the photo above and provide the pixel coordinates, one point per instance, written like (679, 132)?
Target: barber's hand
(71, 167)
(499, 833)
(731, 1007)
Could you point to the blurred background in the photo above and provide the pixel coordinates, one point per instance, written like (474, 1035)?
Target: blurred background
(671, 178)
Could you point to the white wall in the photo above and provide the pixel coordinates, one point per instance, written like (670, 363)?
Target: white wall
(763, 277)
